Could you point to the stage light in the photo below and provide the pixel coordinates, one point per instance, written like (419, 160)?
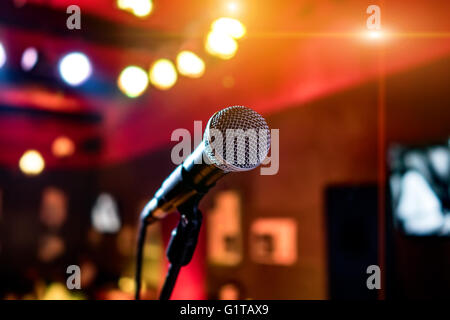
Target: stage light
(229, 26)
(29, 59)
(232, 7)
(63, 147)
(133, 81)
(221, 45)
(31, 163)
(2, 55)
(375, 34)
(163, 74)
(140, 8)
(190, 65)
(75, 68)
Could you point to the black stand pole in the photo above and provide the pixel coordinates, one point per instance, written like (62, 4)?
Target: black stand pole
(182, 243)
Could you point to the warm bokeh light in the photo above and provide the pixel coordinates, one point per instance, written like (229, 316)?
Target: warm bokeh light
(229, 292)
(63, 147)
(2, 55)
(75, 68)
(163, 74)
(31, 163)
(133, 81)
(221, 45)
(229, 26)
(29, 59)
(140, 8)
(126, 284)
(190, 65)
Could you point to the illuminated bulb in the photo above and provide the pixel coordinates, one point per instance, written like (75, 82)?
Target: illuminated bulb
(75, 68)
(133, 81)
(63, 147)
(190, 65)
(140, 8)
(2, 55)
(221, 45)
(29, 59)
(31, 163)
(163, 74)
(229, 26)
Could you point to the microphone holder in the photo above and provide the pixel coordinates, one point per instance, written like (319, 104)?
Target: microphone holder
(182, 243)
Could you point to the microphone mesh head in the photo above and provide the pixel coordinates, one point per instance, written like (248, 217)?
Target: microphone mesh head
(236, 139)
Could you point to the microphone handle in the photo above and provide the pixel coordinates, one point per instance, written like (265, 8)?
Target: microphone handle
(194, 176)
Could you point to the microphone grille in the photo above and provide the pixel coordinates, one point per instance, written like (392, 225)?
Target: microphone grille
(237, 139)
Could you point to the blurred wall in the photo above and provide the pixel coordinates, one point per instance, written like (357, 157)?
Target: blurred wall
(326, 142)
(334, 141)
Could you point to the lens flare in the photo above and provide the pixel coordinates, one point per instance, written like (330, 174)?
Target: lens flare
(233, 7)
(163, 74)
(375, 34)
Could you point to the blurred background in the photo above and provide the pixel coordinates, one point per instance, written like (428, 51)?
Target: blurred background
(88, 106)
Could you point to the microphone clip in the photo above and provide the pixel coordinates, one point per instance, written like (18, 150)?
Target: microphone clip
(182, 242)
(184, 237)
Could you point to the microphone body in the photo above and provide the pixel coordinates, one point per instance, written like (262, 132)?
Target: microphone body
(194, 176)
(192, 179)
(246, 135)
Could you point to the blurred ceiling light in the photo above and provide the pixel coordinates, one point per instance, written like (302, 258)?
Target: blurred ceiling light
(221, 45)
(29, 59)
(163, 74)
(190, 65)
(75, 68)
(140, 8)
(229, 26)
(31, 163)
(133, 81)
(2, 55)
(63, 147)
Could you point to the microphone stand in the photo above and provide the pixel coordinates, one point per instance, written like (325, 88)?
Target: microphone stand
(182, 243)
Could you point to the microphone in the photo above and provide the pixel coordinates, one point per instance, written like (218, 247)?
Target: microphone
(235, 139)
